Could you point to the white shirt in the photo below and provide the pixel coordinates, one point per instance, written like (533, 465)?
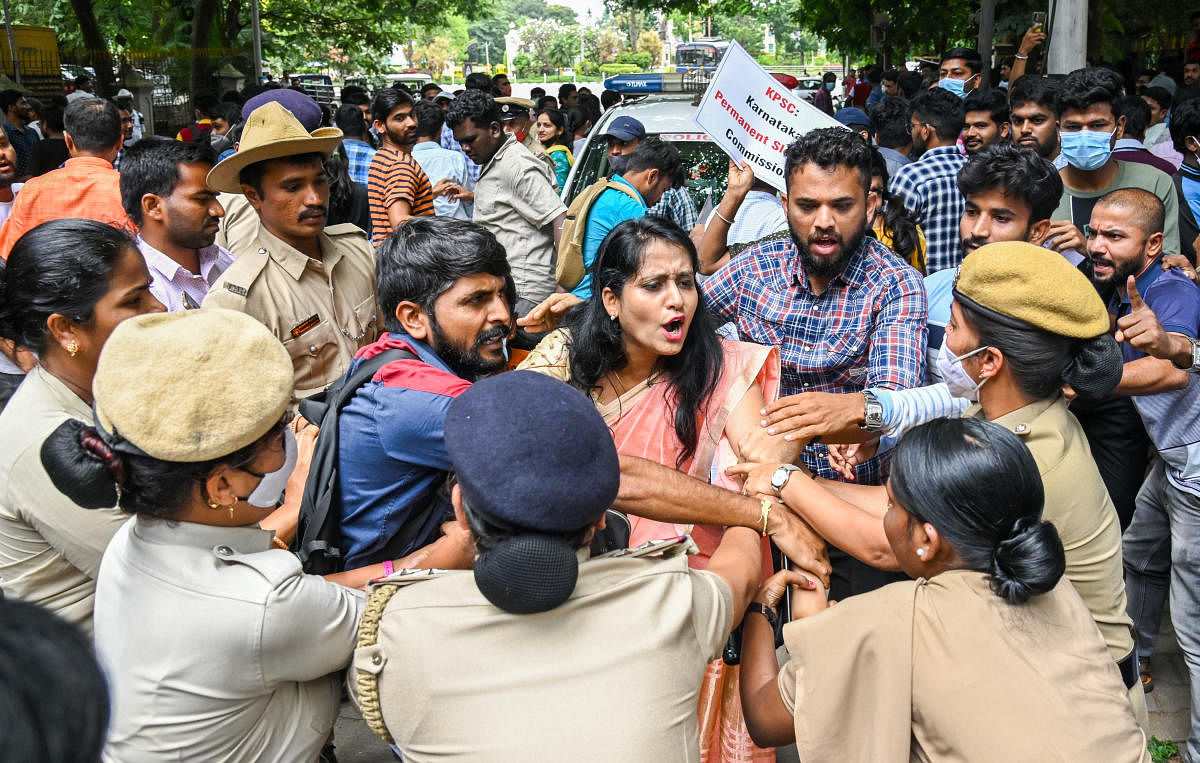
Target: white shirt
(177, 287)
(760, 215)
(216, 646)
(6, 206)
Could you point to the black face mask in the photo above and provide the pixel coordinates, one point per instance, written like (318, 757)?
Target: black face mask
(618, 164)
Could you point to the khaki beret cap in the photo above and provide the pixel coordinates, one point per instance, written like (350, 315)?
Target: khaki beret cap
(192, 385)
(1031, 286)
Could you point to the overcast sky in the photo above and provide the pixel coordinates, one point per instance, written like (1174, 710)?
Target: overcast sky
(581, 7)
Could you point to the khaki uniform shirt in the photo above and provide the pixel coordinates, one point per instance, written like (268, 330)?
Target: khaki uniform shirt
(515, 200)
(217, 647)
(613, 674)
(1079, 506)
(323, 312)
(239, 226)
(944, 670)
(50, 547)
(537, 149)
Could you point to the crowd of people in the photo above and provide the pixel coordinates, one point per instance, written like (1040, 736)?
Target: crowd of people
(299, 401)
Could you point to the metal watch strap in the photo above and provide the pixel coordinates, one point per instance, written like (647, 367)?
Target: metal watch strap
(1195, 367)
(778, 488)
(872, 412)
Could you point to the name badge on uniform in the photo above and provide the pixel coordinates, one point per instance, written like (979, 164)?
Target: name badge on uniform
(238, 290)
(305, 325)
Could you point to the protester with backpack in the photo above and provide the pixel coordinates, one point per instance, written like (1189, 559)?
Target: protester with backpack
(446, 293)
(652, 169)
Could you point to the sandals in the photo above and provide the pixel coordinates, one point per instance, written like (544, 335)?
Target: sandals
(1144, 672)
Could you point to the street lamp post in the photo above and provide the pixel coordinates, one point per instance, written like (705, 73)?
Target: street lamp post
(256, 42)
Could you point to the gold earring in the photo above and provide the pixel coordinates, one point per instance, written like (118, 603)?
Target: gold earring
(72, 348)
(218, 507)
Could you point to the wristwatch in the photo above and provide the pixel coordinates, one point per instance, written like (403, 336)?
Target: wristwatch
(1194, 367)
(765, 611)
(780, 478)
(873, 416)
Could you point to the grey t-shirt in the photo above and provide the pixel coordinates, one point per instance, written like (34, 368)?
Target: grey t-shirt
(515, 200)
(1076, 206)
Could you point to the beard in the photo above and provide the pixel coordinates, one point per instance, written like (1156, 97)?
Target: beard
(827, 267)
(919, 146)
(1119, 275)
(466, 362)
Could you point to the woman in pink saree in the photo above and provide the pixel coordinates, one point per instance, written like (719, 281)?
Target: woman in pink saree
(646, 351)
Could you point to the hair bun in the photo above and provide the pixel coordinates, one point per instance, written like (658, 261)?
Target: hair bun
(1029, 562)
(1096, 367)
(526, 574)
(82, 466)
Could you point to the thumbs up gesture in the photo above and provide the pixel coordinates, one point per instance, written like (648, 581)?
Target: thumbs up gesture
(1142, 331)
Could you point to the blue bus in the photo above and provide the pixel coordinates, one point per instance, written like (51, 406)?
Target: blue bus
(702, 54)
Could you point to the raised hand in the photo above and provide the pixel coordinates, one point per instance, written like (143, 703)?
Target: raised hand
(1142, 331)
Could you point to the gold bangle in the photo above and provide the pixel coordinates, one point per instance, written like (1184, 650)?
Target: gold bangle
(766, 513)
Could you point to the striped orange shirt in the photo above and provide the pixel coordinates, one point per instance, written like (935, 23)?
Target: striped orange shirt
(85, 186)
(395, 176)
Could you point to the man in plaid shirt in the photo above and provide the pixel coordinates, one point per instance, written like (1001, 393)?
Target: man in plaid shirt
(929, 186)
(359, 152)
(844, 310)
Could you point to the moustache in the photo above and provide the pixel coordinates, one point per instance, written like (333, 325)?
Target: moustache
(313, 212)
(815, 237)
(491, 335)
(973, 242)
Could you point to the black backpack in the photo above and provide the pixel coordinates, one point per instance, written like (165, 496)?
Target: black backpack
(318, 541)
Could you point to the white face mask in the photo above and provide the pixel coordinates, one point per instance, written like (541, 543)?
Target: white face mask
(266, 495)
(956, 377)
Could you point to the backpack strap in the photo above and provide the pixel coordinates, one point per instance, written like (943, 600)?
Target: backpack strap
(624, 188)
(321, 488)
(585, 214)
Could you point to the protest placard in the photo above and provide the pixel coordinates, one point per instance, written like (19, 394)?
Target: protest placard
(753, 117)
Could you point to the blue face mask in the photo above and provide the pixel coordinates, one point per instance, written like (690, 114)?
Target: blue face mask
(829, 85)
(956, 86)
(1086, 149)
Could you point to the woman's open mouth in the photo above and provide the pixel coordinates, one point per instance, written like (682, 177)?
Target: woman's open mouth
(674, 329)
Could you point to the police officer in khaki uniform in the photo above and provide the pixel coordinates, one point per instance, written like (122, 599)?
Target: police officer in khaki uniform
(514, 115)
(313, 286)
(1011, 346)
(218, 646)
(521, 645)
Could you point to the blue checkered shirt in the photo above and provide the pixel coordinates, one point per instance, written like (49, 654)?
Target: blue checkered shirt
(867, 329)
(449, 142)
(929, 187)
(358, 158)
(676, 205)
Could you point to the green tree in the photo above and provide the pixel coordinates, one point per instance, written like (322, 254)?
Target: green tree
(648, 42)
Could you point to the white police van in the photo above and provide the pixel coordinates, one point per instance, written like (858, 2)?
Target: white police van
(670, 116)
